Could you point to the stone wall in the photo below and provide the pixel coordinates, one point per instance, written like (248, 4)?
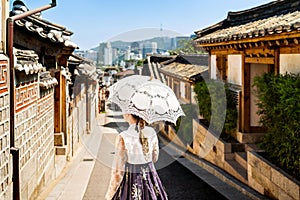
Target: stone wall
(81, 117)
(223, 154)
(210, 147)
(5, 164)
(91, 102)
(270, 180)
(73, 129)
(34, 137)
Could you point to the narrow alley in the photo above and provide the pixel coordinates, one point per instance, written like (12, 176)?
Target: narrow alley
(89, 174)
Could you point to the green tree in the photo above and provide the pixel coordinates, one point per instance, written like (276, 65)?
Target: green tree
(215, 102)
(279, 110)
(187, 47)
(184, 125)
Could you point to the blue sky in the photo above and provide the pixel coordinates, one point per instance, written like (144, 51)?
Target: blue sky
(95, 21)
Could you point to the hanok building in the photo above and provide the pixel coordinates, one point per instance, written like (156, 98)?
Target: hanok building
(263, 39)
(249, 43)
(182, 72)
(152, 64)
(86, 78)
(41, 50)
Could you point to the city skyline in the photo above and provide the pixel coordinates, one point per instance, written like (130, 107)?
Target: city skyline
(112, 52)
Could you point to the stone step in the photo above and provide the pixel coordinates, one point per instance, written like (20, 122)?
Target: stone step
(241, 158)
(251, 147)
(236, 170)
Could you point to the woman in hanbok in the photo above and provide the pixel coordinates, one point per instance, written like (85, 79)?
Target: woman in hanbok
(134, 176)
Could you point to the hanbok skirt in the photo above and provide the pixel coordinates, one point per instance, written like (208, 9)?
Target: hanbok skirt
(140, 182)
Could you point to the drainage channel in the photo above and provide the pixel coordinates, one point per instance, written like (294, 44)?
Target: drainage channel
(88, 159)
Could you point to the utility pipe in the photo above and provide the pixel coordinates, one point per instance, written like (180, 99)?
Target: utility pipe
(9, 49)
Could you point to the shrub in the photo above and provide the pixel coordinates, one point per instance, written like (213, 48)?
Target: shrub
(279, 110)
(184, 126)
(223, 101)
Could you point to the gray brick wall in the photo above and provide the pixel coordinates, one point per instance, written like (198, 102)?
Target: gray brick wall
(5, 164)
(35, 138)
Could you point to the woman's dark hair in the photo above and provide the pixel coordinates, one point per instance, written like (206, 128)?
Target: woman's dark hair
(140, 125)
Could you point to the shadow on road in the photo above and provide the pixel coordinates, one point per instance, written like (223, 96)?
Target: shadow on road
(115, 116)
(180, 183)
(119, 126)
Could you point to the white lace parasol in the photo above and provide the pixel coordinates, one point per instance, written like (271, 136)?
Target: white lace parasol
(147, 98)
(120, 91)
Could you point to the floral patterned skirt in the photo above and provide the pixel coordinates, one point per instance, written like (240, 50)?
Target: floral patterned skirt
(140, 182)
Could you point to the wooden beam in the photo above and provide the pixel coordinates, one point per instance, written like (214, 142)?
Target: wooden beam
(57, 103)
(290, 50)
(296, 41)
(226, 51)
(286, 42)
(64, 108)
(273, 37)
(260, 60)
(270, 43)
(245, 100)
(276, 61)
(277, 42)
(260, 51)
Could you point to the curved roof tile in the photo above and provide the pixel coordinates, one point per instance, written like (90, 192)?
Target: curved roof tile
(27, 61)
(43, 28)
(240, 25)
(46, 81)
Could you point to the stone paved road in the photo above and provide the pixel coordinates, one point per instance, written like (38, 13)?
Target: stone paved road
(180, 183)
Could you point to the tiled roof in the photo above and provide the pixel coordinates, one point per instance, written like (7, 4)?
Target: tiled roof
(88, 70)
(41, 27)
(195, 59)
(272, 18)
(126, 72)
(260, 28)
(47, 81)
(27, 61)
(183, 70)
(78, 59)
(152, 66)
(160, 58)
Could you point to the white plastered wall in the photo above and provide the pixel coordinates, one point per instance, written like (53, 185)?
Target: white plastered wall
(255, 70)
(289, 63)
(235, 69)
(213, 66)
(182, 89)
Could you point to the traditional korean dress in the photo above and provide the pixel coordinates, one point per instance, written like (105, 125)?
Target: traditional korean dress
(134, 176)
